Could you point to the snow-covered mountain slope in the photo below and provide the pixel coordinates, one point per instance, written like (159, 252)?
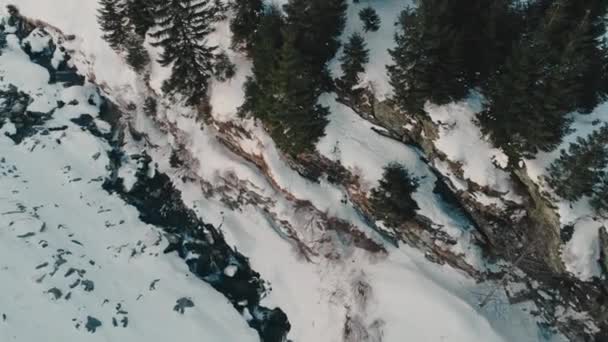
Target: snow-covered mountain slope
(75, 256)
(77, 262)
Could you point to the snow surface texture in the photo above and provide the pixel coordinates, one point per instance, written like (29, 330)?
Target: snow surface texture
(405, 296)
(377, 42)
(76, 263)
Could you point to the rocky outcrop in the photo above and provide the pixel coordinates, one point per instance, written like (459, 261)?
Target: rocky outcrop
(526, 234)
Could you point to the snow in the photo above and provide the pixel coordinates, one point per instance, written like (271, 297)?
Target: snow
(350, 140)
(37, 40)
(378, 42)
(407, 297)
(581, 253)
(462, 142)
(79, 17)
(59, 226)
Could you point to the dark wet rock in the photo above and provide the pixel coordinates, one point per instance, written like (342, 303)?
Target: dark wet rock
(55, 292)
(43, 265)
(182, 304)
(74, 284)
(88, 285)
(13, 109)
(92, 324)
(53, 58)
(26, 235)
(87, 122)
(202, 245)
(153, 284)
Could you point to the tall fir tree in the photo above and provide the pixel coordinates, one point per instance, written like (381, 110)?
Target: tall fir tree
(297, 122)
(441, 53)
(392, 199)
(580, 169)
(289, 71)
(355, 56)
(245, 22)
(183, 28)
(267, 42)
(141, 14)
(529, 99)
(371, 20)
(137, 56)
(600, 196)
(112, 18)
(317, 25)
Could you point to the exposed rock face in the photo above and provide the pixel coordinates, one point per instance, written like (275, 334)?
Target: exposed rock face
(527, 234)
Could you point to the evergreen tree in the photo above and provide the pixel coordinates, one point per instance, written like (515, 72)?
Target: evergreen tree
(600, 198)
(289, 71)
(441, 53)
(113, 21)
(267, 43)
(246, 20)
(370, 19)
(425, 64)
(392, 199)
(579, 170)
(137, 55)
(353, 60)
(541, 83)
(224, 68)
(317, 25)
(582, 24)
(296, 122)
(183, 28)
(141, 14)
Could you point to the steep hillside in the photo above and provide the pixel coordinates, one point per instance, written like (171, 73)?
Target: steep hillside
(126, 214)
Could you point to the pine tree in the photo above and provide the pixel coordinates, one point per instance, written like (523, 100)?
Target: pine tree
(441, 53)
(267, 43)
(581, 23)
(183, 28)
(600, 197)
(392, 199)
(355, 56)
(425, 66)
(246, 20)
(224, 68)
(296, 121)
(141, 14)
(289, 71)
(113, 21)
(529, 99)
(317, 25)
(370, 19)
(137, 55)
(578, 171)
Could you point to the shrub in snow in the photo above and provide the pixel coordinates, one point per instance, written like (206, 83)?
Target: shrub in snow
(392, 200)
(370, 19)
